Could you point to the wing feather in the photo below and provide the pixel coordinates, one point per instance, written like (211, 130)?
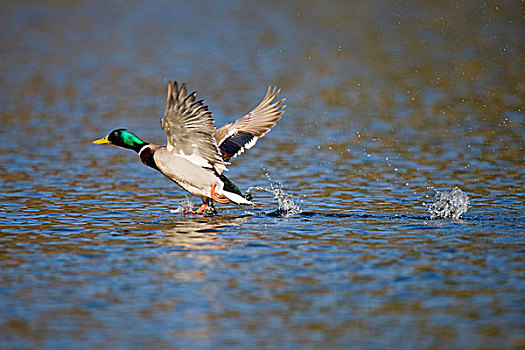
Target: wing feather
(234, 138)
(190, 128)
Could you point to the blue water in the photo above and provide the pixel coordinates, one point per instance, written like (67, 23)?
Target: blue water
(387, 103)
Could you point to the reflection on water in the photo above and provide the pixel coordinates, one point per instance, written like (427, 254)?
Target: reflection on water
(385, 100)
(198, 232)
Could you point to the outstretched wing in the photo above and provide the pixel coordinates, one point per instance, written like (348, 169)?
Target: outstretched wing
(234, 138)
(190, 128)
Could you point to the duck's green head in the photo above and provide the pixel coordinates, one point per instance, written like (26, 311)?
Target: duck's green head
(122, 138)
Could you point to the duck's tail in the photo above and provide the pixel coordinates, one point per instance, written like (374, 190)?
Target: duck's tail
(233, 193)
(235, 198)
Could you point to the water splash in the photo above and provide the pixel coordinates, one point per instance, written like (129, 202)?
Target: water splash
(449, 205)
(185, 205)
(288, 206)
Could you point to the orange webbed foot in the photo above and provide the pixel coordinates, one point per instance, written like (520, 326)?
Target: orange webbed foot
(202, 208)
(218, 197)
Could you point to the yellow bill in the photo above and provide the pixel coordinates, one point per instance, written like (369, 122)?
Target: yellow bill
(101, 141)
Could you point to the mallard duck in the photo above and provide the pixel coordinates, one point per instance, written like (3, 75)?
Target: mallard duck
(196, 153)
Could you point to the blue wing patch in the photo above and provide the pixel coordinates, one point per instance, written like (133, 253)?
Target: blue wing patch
(235, 144)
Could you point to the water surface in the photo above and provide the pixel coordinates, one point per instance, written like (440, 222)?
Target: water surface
(386, 101)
